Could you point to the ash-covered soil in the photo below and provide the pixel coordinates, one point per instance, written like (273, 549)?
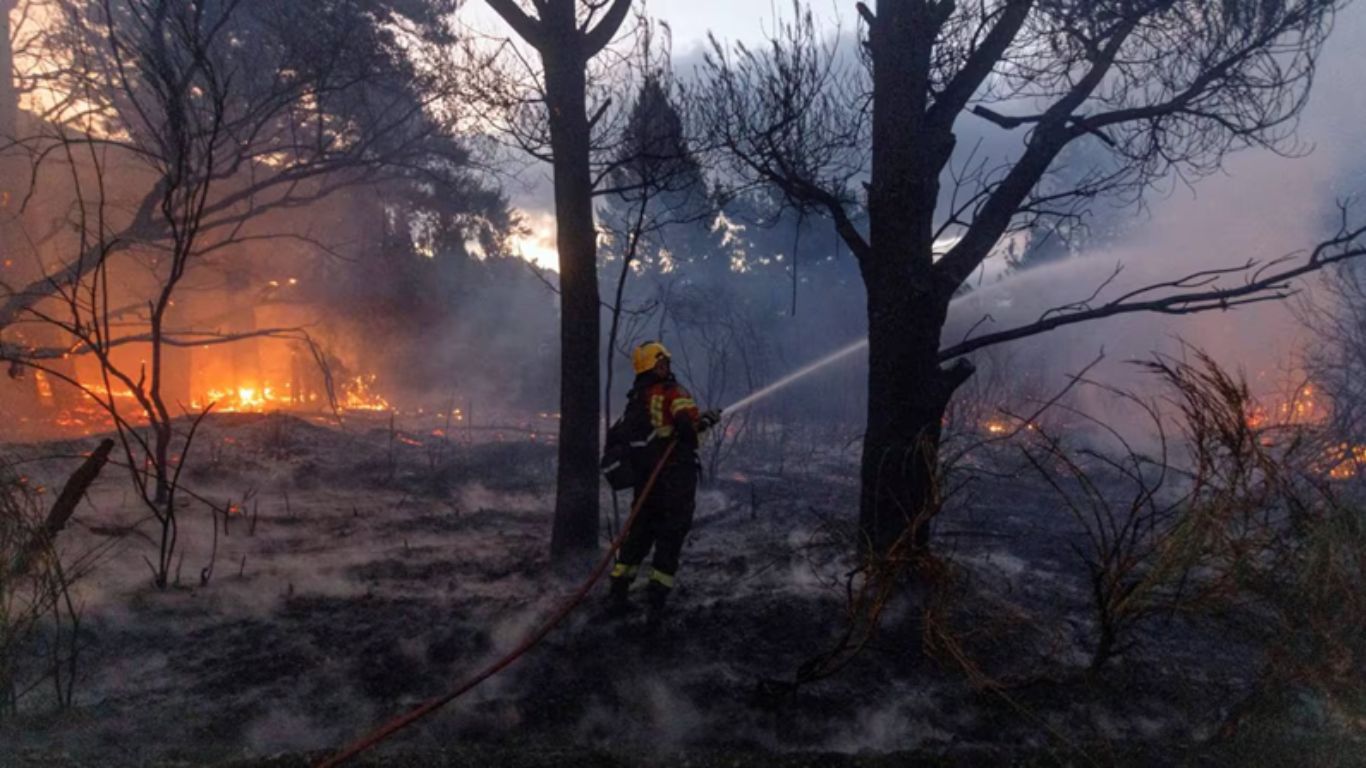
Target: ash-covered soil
(364, 574)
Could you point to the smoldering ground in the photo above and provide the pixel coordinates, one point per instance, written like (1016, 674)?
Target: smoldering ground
(371, 583)
(357, 599)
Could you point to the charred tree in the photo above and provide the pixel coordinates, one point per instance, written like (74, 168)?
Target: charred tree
(565, 47)
(326, 122)
(205, 119)
(10, 167)
(908, 391)
(9, 96)
(1159, 86)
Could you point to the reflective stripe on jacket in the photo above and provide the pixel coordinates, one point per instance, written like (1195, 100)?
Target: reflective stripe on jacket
(668, 402)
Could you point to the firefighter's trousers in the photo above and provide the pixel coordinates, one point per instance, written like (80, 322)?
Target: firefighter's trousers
(662, 523)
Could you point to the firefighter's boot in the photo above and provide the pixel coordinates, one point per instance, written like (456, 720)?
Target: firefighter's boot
(656, 597)
(618, 600)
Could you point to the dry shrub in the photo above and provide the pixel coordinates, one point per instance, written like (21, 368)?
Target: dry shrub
(39, 620)
(1276, 534)
(1129, 520)
(1238, 518)
(1253, 521)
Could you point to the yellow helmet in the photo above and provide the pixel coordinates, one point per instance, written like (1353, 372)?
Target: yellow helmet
(646, 355)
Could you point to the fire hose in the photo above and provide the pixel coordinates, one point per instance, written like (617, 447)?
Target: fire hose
(431, 705)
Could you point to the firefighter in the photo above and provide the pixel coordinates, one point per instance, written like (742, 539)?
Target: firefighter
(666, 516)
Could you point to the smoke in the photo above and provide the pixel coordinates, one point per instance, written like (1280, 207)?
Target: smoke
(285, 729)
(672, 716)
(1263, 206)
(905, 725)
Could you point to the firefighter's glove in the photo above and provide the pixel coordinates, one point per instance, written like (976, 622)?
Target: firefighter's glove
(708, 420)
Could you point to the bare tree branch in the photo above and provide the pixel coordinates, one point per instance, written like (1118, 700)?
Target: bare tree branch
(1264, 283)
(527, 28)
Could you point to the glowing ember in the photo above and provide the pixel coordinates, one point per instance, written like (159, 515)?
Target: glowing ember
(358, 395)
(999, 427)
(43, 384)
(1297, 408)
(1346, 461)
(240, 399)
(86, 416)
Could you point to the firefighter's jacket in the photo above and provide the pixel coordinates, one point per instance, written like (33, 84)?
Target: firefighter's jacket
(673, 413)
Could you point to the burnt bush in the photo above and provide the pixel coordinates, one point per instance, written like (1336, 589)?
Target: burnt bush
(40, 623)
(1254, 524)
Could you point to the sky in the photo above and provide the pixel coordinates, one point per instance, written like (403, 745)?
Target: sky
(690, 20)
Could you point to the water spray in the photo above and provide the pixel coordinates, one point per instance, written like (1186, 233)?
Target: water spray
(800, 373)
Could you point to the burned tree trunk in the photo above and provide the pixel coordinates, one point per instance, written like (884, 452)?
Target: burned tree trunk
(11, 168)
(576, 498)
(9, 97)
(908, 392)
(566, 46)
(1159, 87)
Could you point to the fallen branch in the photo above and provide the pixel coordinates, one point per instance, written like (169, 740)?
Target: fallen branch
(62, 509)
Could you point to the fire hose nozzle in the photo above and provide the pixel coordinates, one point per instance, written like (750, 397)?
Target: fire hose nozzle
(709, 419)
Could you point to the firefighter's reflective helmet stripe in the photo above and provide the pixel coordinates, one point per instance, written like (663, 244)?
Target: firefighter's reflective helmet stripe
(662, 578)
(624, 571)
(646, 355)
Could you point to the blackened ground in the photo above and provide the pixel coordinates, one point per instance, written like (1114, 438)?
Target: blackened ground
(379, 573)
